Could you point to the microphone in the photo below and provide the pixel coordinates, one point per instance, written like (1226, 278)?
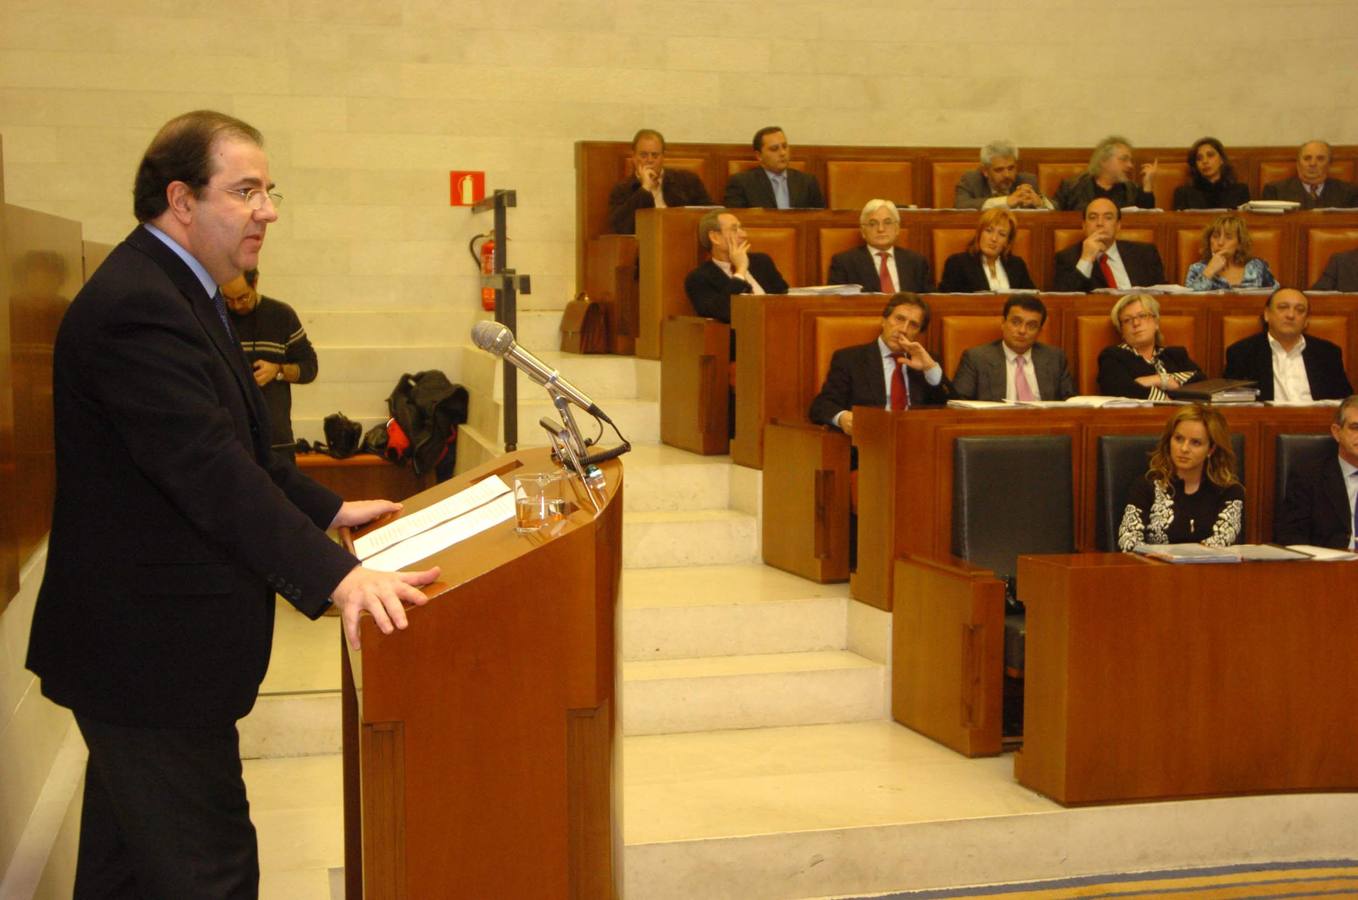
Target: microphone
(499, 340)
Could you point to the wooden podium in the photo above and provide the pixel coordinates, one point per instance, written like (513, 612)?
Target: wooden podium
(481, 743)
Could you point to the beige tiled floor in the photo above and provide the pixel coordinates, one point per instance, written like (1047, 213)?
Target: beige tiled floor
(297, 808)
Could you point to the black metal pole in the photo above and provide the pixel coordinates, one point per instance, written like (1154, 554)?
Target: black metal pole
(506, 311)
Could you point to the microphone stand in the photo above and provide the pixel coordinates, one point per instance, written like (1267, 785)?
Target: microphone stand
(568, 447)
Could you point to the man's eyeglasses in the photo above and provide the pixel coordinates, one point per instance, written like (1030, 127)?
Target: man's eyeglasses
(255, 197)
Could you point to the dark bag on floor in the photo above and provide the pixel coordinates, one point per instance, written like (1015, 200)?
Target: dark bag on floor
(584, 326)
(428, 408)
(342, 435)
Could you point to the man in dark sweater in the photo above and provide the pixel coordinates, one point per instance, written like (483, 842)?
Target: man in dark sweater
(276, 346)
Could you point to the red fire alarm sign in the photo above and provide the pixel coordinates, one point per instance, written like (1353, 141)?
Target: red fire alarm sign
(467, 188)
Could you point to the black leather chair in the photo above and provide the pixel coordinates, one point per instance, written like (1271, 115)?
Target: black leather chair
(1294, 452)
(1122, 458)
(1012, 496)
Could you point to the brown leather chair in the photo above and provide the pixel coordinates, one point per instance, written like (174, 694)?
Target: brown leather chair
(1282, 169)
(1321, 244)
(943, 177)
(1267, 245)
(958, 333)
(948, 241)
(1065, 237)
(1093, 333)
(1334, 328)
(780, 243)
(1051, 174)
(1169, 177)
(832, 240)
(835, 333)
(850, 183)
(695, 382)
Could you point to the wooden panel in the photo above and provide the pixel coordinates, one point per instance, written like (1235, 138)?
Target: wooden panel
(736, 166)
(852, 183)
(363, 476)
(384, 814)
(947, 653)
(1196, 637)
(695, 385)
(9, 491)
(612, 281)
(1169, 176)
(959, 333)
(833, 333)
(806, 501)
(783, 245)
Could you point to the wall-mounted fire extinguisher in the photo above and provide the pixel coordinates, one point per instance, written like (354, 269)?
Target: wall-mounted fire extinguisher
(485, 256)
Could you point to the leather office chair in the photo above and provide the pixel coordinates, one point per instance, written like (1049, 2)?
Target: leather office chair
(1093, 333)
(1051, 174)
(943, 177)
(781, 244)
(1267, 245)
(1321, 244)
(958, 333)
(1169, 177)
(1294, 452)
(832, 240)
(850, 183)
(948, 241)
(1282, 169)
(1012, 496)
(1122, 458)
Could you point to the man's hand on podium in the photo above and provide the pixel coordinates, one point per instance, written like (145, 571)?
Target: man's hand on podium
(360, 512)
(380, 594)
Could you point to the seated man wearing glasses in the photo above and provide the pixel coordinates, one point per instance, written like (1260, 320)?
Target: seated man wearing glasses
(1015, 367)
(881, 267)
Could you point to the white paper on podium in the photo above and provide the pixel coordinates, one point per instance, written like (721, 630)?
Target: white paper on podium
(446, 511)
(427, 543)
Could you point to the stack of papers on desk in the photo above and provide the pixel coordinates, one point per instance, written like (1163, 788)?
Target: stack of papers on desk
(1323, 554)
(827, 289)
(422, 534)
(1197, 553)
(1091, 401)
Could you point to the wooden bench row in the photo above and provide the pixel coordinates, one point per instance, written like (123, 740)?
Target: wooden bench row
(801, 243)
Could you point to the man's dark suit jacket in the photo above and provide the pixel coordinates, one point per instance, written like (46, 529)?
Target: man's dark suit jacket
(1334, 193)
(981, 373)
(678, 187)
(1252, 358)
(1316, 508)
(1341, 273)
(752, 188)
(964, 273)
(1142, 262)
(973, 189)
(855, 379)
(1075, 194)
(859, 266)
(173, 524)
(709, 289)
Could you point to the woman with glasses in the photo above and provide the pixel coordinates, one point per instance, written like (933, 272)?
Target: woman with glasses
(987, 264)
(1225, 262)
(1190, 494)
(1141, 366)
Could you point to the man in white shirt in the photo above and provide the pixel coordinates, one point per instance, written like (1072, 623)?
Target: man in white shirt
(1103, 261)
(1288, 365)
(1016, 367)
(1321, 506)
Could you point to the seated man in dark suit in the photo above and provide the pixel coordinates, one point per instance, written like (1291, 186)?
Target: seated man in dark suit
(1313, 187)
(1016, 367)
(1288, 365)
(1102, 260)
(881, 267)
(1110, 174)
(998, 182)
(651, 185)
(773, 184)
(732, 268)
(1319, 506)
(1341, 273)
(892, 372)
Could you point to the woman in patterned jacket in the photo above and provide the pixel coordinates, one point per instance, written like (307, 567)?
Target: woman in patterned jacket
(1190, 493)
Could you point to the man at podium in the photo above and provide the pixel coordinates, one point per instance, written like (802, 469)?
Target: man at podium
(173, 527)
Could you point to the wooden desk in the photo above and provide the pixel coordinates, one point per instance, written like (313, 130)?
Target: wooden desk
(1150, 681)
(905, 478)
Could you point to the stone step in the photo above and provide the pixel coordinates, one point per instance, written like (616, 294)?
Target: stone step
(701, 611)
(689, 538)
(659, 477)
(667, 696)
(637, 420)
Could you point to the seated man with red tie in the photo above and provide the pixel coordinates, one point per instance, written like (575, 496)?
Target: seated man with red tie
(1103, 261)
(881, 267)
(892, 372)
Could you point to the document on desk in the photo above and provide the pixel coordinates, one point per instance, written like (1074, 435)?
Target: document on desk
(1323, 554)
(418, 535)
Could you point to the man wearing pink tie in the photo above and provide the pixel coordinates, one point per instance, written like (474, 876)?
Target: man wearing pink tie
(880, 266)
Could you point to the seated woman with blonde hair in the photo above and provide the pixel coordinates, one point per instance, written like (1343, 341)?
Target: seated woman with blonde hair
(1141, 366)
(986, 264)
(1225, 261)
(1190, 494)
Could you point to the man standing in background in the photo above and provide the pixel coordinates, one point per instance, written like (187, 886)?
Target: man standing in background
(276, 346)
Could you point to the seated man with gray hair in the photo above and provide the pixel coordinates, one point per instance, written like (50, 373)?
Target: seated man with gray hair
(998, 182)
(881, 267)
(1111, 174)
